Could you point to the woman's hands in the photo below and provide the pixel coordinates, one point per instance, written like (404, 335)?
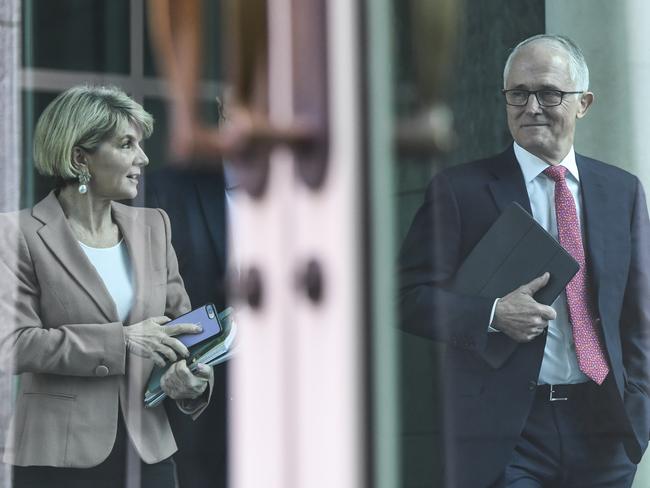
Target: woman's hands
(179, 383)
(148, 339)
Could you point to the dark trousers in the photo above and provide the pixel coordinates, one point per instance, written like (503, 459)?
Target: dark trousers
(201, 460)
(122, 468)
(573, 443)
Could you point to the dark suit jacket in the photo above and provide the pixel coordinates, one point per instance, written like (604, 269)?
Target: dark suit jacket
(486, 408)
(195, 202)
(61, 326)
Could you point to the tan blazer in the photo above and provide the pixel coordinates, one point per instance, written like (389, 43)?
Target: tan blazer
(68, 343)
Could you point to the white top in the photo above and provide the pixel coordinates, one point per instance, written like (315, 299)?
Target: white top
(114, 267)
(560, 363)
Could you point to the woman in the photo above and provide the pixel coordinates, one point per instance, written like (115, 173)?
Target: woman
(88, 285)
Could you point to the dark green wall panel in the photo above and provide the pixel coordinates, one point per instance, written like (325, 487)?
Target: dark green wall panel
(487, 32)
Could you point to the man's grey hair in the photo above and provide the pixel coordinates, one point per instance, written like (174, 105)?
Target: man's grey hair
(577, 65)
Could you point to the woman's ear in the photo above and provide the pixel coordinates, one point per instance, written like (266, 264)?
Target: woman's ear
(79, 158)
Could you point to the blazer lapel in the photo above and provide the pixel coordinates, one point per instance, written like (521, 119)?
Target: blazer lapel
(596, 220)
(509, 185)
(58, 237)
(137, 237)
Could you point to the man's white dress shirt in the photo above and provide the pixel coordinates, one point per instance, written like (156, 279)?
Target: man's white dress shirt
(560, 363)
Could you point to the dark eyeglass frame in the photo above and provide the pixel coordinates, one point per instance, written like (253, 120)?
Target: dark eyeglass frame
(536, 93)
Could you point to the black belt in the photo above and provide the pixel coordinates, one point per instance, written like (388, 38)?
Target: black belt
(555, 393)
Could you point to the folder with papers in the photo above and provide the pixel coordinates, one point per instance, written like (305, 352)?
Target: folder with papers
(212, 351)
(514, 251)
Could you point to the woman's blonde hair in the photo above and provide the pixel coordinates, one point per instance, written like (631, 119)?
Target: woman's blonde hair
(83, 116)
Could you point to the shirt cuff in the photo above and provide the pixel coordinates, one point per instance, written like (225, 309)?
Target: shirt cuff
(494, 308)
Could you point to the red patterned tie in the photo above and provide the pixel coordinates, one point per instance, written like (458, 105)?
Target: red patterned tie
(589, 347)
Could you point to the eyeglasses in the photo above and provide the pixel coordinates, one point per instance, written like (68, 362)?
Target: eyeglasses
(546, 98)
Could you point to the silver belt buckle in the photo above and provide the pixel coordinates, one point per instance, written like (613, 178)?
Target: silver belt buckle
(552, 396)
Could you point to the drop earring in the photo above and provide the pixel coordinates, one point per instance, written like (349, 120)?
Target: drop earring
(84, 178)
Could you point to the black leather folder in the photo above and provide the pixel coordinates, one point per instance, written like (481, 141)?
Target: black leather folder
(515, 250)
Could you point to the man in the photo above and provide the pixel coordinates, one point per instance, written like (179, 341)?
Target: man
(196, 204)
(569, 407)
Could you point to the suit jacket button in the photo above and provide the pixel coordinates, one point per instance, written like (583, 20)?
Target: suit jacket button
(101, 370)
(532, 384)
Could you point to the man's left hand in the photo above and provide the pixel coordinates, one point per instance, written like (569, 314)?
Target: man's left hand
(179, 383)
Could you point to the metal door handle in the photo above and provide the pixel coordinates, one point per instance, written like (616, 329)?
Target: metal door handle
(250, 135)
(428, 130)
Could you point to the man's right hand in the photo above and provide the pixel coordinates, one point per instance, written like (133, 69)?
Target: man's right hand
(519, 316)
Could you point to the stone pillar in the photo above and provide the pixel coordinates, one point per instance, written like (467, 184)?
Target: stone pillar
(615, 39)
(10, 103)
(10, 126)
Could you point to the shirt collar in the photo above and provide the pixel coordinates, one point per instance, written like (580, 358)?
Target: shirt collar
(532, 166)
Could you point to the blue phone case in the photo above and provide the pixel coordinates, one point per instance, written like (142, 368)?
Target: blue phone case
(205, 316)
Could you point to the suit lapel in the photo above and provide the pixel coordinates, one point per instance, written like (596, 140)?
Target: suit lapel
(212, 196)
(509, 185)
(58, 237)
(596, 220)
(137, 237)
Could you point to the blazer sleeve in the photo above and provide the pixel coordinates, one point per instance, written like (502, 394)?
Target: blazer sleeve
(25, 344)
(429, 259)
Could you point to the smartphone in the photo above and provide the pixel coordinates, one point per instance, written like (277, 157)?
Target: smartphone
(205, 316)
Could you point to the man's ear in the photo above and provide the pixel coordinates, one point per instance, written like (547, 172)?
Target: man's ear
(586, 100)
